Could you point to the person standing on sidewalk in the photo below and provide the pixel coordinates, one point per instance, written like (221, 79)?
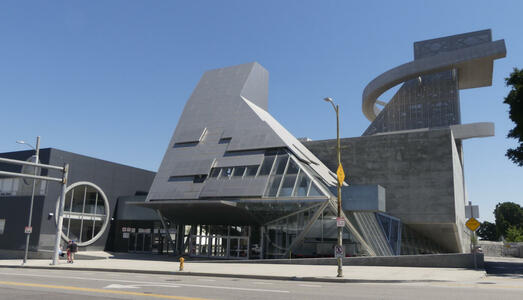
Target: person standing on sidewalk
(72, 248)
(69, 251)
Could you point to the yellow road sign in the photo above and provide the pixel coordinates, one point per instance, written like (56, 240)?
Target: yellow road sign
(341, 175)
(473, 224)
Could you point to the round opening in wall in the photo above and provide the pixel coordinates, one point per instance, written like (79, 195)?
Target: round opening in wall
(86, 213)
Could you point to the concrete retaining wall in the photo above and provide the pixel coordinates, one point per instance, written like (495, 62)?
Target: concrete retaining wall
(494, 249)
(497, 249)
(457, 260)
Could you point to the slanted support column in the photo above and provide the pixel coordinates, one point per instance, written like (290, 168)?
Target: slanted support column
(262, 241)
(166, 228)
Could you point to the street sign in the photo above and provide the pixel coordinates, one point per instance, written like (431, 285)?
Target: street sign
(340, 222)
(473, 224)
(339, 251)
(341, 175)
(28, 229)
(471, 211)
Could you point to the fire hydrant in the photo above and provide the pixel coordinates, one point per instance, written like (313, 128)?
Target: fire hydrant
(181, 263)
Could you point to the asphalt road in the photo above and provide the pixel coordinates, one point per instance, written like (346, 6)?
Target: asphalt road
(79, 285)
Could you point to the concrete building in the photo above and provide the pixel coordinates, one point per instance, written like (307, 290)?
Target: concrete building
(92, 198)
(413, 147)
(228, 162)
(234, 183)
(233, 180)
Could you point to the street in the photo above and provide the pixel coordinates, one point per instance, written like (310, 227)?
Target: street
(65, 284)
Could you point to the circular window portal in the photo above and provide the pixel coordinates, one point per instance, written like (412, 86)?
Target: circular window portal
(86, 213)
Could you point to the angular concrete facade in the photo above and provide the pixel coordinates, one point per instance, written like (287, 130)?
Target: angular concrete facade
(413, 147)
(230, 163)
(421, 172)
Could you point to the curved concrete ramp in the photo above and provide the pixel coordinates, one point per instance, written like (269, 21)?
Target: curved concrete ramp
(473, 63)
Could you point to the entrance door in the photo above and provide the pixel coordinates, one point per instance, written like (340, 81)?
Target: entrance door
(132, 241)
(238, 247)
(147, 242)
(140, 242)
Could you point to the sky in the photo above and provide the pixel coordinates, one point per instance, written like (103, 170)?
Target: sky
(109, 79)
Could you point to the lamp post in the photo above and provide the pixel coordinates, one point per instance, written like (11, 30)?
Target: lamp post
(28, 234)
(338, 150)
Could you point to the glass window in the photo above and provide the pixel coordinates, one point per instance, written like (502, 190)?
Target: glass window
(100, 206)
(315, 191)
(85, 213)
(287, 186)
(303, 185)
(267, 165)
(215, 172)
(251, 170)
(78, 199)
(90, 201)
(225, 140)
(238, 171)
(199, 178)
(274, 184)
(68, 201)
(180, 178)
(73, 230)
(2, 226)
(281, 163)
(292, 168)
(227, 171)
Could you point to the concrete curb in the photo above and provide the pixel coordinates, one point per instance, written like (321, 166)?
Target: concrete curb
(225, 275)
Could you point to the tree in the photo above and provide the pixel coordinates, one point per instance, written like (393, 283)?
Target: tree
(514, 234)
(508, 214)
(515, 100)
(487, 231)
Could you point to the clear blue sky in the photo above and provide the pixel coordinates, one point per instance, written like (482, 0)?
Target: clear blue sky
(109, 79)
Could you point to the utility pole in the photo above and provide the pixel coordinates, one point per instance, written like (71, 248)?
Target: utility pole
(29, 229)
(62, 181)
(341, 176)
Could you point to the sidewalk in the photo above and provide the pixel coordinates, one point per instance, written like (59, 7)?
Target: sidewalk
(263, 271)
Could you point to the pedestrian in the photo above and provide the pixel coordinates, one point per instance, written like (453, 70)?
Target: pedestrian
(74, 249)
(69, 252)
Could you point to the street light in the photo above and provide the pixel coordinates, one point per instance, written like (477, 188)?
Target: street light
(28, 234)
(340, 180)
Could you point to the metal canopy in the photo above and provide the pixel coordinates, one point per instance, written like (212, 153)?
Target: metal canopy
(227, 212)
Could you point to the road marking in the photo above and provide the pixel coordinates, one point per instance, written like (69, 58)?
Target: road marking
(310, 285)
(135, 286)
(81, 289)
(256, 282)
(120, 286)
(206, 280)
(146, 282)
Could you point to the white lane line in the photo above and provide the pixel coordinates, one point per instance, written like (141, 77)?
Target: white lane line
(120, 286)
(145, 282)
(261, 282)
(135, 286)
(209, 280)
(310, 285)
